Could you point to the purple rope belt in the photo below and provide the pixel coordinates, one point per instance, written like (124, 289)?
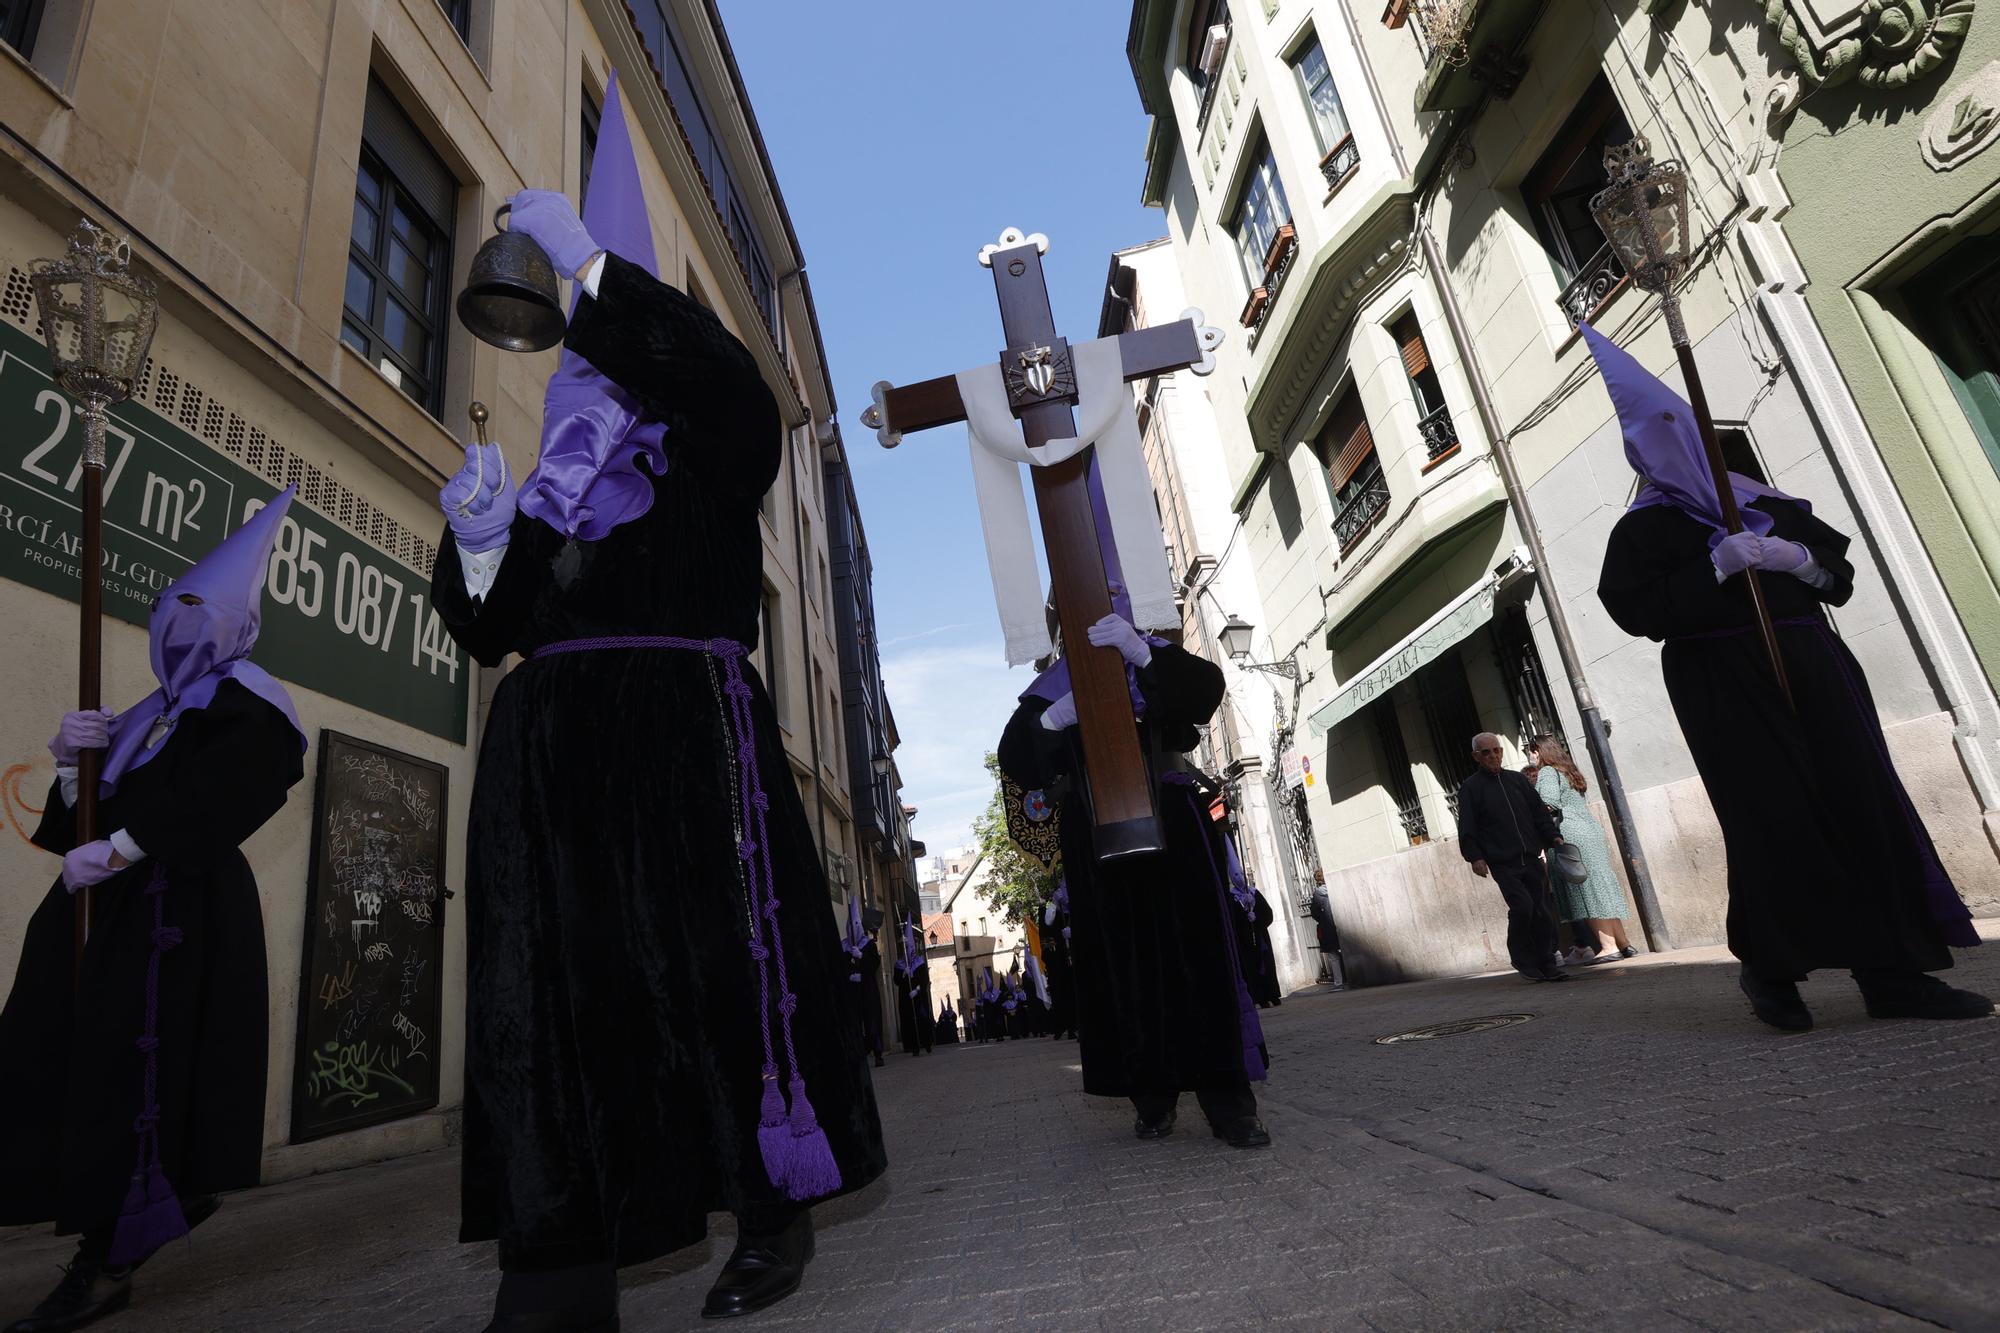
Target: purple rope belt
(797, 1157)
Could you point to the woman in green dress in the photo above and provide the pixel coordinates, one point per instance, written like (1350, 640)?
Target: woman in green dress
(1596, 907)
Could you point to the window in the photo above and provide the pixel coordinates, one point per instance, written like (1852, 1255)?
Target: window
(1740, 454)
(593, 118)
(19, 20)
(1397, 777)
(661, 33)
(1558, 190)
(1338, 155)
(1521, 664)
(1259, 215)
(460, 14)
(399, 252)
(1204, 49)
(1346, 448)
(1433, 417)
(825, 585)
(769, 656)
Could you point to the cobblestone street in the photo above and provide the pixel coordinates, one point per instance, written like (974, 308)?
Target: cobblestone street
(1641, 1155)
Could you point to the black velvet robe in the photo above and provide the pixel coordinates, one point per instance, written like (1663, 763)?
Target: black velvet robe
(1156, 977)
(613, 1054)
(1829, 865)
(75, 1081)
(1061, 974)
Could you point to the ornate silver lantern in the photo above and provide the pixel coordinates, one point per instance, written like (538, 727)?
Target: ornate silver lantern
(98, 321)
(1643, 212)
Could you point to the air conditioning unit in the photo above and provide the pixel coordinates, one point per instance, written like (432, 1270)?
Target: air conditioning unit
(1212, 48)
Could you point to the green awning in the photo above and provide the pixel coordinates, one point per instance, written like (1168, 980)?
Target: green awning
(1457, 619)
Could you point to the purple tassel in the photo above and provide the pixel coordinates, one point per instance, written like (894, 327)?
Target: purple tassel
(774, 1135)
(808, 1170)
(152, 1217)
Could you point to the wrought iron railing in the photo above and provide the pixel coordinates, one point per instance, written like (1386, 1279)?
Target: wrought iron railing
(1341, 163)
(1410, 812)
(1361, 512)
(1277, 267)
(1439, 431)
(1601, 278)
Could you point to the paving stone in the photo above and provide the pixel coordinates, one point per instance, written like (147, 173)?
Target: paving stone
(1641, 1156)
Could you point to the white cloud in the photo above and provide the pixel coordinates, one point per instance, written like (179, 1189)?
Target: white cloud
(951, 704)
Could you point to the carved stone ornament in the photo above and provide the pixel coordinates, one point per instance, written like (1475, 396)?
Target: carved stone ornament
(1883, 43)
(1966, 122)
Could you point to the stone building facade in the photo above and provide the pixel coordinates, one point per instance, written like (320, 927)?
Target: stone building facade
(308, 180)
(1396, 207)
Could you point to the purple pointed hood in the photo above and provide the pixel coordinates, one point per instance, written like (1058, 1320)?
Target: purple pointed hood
(202, 629)
(1053, 684)
(1663, 444)
(588, 477)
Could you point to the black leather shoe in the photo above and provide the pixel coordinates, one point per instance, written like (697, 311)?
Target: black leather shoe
(1776, 1002)
(1918, 995)
(86, 1294)
(553, 1321)
(1155, 1129)
(761, 1271)
(1243, 1132)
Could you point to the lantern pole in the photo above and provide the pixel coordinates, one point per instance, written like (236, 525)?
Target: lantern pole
(1633, 173)
(96, 359)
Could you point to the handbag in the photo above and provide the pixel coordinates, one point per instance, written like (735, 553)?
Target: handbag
(1567, 861)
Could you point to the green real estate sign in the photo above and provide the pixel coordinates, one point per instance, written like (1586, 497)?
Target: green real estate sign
(340, 617)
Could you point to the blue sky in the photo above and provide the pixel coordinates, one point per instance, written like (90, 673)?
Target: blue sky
(907, 134)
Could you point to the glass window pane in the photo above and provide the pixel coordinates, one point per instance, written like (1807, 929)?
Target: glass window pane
(407, 271)
(404, 332)
(410, 225)
(360, 297)
(363, 229)
(368, 185)
(354, 338)
(1327, 111)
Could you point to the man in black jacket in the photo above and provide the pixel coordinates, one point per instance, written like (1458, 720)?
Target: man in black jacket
(1503, 825)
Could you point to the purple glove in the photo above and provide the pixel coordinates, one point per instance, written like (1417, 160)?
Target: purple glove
(478, 501)
(547, 218)
(1114, 631)
(1737, 552)
(92, 863)
(81, 731)
(1060, 714)
(1782, 557)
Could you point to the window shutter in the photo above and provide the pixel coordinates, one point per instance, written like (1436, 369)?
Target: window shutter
(1416, 357)
(386, 129)
(1359, 448)
(1396, 14)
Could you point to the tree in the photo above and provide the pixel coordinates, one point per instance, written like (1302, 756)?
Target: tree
(1017, 886)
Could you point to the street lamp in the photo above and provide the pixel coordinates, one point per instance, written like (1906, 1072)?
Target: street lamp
(98, 322)
(1235, 635)
(1643, 212)
(881, 763)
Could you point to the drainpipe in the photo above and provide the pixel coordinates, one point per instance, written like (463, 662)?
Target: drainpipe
(1623, 827)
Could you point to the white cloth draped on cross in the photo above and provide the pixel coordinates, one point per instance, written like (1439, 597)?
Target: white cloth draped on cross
(998, 448)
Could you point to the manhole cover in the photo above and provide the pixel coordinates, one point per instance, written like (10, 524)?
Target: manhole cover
(1456, 1028)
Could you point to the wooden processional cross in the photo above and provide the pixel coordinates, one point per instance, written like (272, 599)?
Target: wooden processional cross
(1041, 390)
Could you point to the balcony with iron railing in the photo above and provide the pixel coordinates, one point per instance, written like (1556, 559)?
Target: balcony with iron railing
(1467, 47)
(1594, 287)
(1277, 267)
(1339, 165)
(1440, 434)
(1363, 510)
(1410, 814)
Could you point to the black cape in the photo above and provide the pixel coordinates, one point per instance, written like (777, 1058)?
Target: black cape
(1829, 865)
(613, 1053)
(1159, 1002)
(1259, 959)
(66, 1141)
